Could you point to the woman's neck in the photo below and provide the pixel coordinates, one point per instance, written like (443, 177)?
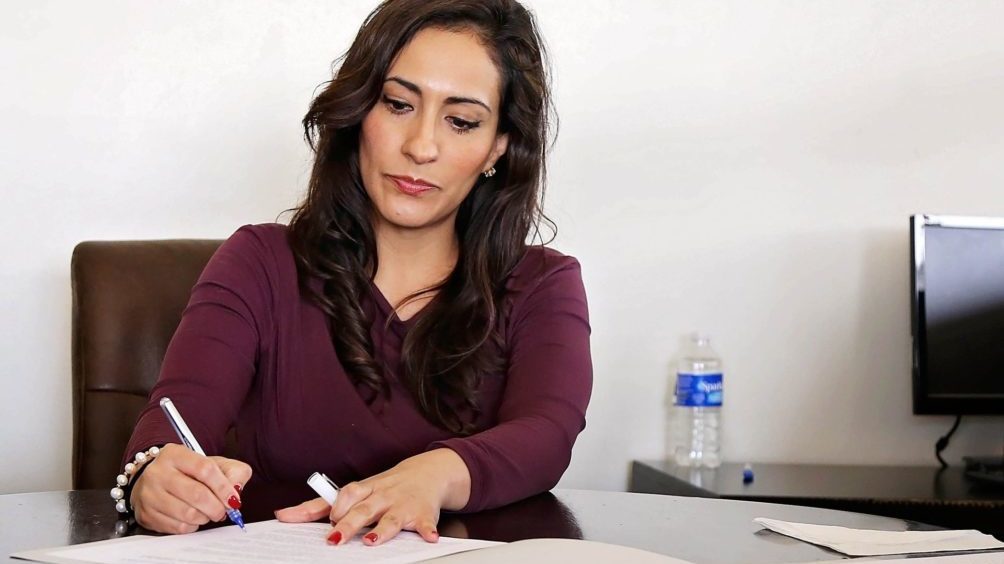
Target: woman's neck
(412, 260)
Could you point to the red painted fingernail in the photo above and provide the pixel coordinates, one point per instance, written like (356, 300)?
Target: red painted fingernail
(371, 537)
(233, 502)
(238, 488)
(335, 537)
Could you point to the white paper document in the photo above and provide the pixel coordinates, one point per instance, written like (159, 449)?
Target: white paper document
(266, 542)
(977, 558)
(560, 550)
(864, 542)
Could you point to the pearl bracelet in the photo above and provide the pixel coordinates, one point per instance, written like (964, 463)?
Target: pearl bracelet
(123, 480)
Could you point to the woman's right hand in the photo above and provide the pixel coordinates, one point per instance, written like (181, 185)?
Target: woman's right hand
(182, 490)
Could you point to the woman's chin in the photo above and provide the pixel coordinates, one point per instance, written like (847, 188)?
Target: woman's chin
(412, 220)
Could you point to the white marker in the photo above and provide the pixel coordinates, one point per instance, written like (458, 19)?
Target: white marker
(324, 487)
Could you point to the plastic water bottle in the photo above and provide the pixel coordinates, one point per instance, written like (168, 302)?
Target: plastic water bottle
(694, 419)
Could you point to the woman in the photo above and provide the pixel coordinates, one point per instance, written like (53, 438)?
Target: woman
(399, 335)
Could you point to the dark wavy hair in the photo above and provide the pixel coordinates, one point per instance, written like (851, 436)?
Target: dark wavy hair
(456, 338)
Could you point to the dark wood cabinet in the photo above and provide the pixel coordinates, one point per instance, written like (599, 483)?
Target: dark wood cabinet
(943, 497)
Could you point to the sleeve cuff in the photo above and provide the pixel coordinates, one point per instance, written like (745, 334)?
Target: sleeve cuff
(476, 501)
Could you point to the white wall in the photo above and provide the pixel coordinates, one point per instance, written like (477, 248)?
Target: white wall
(743, 168)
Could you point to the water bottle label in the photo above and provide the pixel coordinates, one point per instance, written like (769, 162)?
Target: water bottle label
(699, 390)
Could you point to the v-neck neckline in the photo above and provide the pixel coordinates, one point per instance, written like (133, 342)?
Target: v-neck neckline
(388, 310)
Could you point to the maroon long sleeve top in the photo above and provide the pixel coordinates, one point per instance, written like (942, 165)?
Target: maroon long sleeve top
(253, 353)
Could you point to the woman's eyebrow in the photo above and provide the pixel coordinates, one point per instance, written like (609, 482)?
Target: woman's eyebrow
(449, 100)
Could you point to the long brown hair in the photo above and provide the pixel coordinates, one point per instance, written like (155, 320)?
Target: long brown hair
(456, 338)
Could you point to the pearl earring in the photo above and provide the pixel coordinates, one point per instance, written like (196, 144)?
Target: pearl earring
(489, 173)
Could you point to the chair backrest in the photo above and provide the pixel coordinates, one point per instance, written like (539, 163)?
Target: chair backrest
(128, 297)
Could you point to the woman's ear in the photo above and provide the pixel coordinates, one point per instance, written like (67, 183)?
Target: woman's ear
(499, 149)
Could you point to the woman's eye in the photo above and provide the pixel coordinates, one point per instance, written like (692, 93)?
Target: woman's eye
(396, 106)
(462, 125)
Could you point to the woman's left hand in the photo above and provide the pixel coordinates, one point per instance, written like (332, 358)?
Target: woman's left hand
(409, 496)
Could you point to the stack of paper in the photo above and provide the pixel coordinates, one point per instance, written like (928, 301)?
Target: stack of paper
(862, 542)
(264, 543)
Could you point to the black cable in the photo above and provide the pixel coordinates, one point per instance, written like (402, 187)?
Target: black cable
(943, 441)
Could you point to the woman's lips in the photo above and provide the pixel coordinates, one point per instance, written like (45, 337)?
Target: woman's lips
(411, 186)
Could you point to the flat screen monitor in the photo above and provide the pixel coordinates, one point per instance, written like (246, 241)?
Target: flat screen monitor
(957, 314)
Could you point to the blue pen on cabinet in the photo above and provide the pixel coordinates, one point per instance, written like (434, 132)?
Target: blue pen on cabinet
(186, 436)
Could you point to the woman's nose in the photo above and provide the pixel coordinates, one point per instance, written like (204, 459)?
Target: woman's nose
(420, 144)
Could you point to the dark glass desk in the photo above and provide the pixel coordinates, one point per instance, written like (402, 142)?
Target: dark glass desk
(694, 529)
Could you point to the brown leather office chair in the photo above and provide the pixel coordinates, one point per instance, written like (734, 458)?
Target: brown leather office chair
(128, 297)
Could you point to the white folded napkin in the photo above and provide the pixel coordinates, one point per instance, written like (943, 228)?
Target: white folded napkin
(864, 542)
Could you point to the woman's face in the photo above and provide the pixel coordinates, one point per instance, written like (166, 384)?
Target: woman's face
(433, 130)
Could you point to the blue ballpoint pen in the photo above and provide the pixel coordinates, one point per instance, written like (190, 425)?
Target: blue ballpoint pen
(186, 436)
